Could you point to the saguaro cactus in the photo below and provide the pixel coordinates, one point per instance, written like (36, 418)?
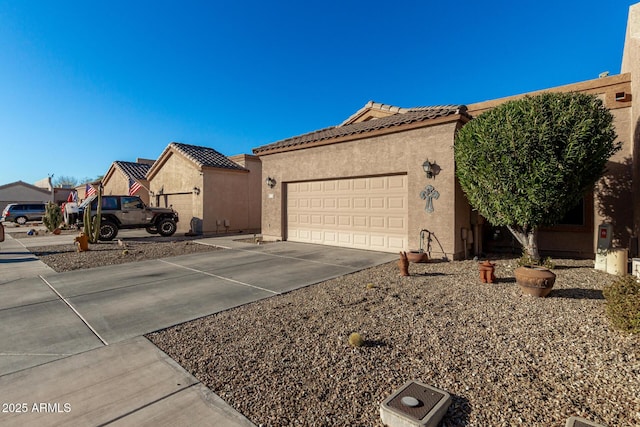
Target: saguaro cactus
(92, 225)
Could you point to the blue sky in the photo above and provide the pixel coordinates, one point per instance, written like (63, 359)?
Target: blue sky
(83, 84)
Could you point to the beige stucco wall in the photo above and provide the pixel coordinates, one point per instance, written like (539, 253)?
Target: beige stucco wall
(178, 175)
(116, 183)
(224, 194)
(253, 190)
(395, 153)
(227, 200)
(631, 65)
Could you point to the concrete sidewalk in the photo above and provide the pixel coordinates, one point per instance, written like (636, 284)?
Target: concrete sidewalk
(17, 262)
(129, 383)
(56, 329)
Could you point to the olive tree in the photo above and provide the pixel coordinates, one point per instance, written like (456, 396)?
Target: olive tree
(527, 162)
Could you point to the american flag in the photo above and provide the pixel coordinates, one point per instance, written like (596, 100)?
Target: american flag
(89, 191)
(134, 186)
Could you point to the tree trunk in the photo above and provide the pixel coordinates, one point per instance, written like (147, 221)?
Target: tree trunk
(528, 239)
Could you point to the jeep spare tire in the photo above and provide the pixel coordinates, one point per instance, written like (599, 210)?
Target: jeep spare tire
(108, 230)
(166, 227)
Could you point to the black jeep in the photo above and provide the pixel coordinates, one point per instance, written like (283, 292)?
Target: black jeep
(120, 212)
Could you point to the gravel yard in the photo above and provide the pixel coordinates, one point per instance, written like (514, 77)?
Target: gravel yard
(506, 359)
(66, 257)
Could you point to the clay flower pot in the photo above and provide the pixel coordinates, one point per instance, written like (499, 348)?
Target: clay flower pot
(535, 280)
(403, 264)
(417, 256)
(487, 272)
(56, 231)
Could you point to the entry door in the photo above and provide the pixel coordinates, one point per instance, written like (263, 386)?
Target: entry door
(365, 213)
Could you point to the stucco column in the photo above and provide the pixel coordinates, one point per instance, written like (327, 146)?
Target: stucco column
(631, 64)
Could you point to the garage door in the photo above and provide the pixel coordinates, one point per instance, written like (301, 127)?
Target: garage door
(364, 213)
(183, 204)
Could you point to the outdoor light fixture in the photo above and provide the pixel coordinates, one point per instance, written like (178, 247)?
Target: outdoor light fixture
(271, 182)
(428, 168)
(196, 191)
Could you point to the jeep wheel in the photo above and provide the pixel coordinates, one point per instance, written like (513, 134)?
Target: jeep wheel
(22, 220)
(108, 230)
(152, 229)
(166, 227)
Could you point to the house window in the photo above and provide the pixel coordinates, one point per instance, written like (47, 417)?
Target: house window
(575, 216)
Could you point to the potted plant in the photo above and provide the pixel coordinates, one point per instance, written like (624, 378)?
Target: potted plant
(535, 276)
(527, 162)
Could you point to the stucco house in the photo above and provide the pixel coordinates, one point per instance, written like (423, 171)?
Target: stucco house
(212, 193)
(364, 183)
(20, 191)
(122, 176)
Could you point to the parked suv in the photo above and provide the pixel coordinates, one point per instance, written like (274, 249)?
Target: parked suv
(120, 212)
(23, 212)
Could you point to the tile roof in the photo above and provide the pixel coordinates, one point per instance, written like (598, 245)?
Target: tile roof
(133, 170)
(401, 117)
(205, 156)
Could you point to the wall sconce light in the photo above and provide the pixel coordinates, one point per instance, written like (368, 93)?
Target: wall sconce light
(271, 182)
(196, 191)
(428, 168)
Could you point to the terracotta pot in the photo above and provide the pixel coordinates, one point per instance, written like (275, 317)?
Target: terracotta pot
(56, 231)
(487, 272)
(417, 256)
(534, 280)
(83, 242)
(403, 264)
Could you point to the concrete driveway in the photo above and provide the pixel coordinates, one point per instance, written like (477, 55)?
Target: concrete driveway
(59, 327)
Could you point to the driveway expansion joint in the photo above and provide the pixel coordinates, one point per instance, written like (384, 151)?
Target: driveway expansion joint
(64, 300)
(237, 282)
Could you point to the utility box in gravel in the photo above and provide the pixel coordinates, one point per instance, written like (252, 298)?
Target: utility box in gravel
(415, 405)
(581, 422)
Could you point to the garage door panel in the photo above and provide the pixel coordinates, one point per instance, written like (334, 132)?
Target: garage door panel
(359, 221)
(396, 223)
(330, 238)
(360, 239)
(396, 202)
(397, 182)
(360, 184)
(359, 203)
(396, 243)
(367, 213)
(377, 183)
(378, 222)
(330, 220)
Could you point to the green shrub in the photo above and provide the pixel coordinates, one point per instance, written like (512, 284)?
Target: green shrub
(527, 259)
(52, 216)
(623, 303)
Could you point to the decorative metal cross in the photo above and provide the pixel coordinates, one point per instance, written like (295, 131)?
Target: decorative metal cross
(429, 193)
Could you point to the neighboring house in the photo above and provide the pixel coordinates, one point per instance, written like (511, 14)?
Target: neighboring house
(212, 193)
(20, 191)
(122, 176)
(60, 194)
(362, 184)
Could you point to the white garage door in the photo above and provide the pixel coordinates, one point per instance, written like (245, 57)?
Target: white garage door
(364, 213)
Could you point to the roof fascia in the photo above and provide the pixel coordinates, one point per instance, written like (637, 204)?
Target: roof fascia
(374, 133)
